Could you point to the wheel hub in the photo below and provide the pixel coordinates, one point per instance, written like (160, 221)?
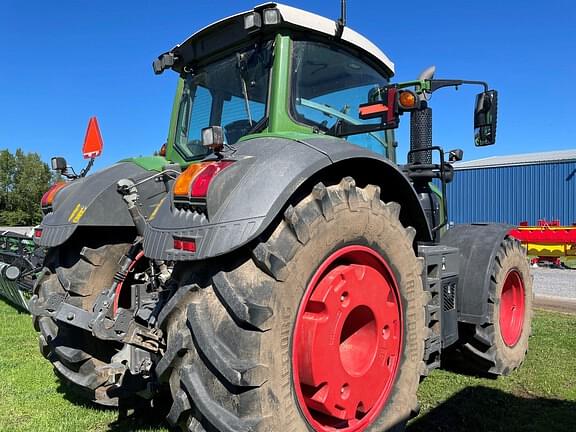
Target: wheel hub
(347, 341)
(512, 306)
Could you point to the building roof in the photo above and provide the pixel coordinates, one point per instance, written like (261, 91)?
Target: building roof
(520, 159)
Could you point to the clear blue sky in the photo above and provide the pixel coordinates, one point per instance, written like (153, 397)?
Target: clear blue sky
(64, 61)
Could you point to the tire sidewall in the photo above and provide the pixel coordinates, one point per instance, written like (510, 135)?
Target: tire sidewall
(514, 260)
(384, 234)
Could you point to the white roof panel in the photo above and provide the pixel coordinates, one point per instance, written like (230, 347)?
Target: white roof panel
(310, 21)
(327, 26)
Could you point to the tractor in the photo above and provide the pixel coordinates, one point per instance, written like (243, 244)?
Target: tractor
(275, 268)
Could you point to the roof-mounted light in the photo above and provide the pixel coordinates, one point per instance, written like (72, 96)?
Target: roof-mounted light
(252, 21)
(163, 62)
(272, 16)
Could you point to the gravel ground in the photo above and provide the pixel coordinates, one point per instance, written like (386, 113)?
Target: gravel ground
(554, 282)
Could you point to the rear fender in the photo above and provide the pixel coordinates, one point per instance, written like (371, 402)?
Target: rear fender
(268, 175)
(93, 201)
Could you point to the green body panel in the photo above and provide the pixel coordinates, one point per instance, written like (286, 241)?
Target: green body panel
(150, 163)
(436, 191)
(279, 120)
(171, 154)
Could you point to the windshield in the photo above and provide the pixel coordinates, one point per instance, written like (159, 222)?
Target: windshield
(231, 92)
(329, 85)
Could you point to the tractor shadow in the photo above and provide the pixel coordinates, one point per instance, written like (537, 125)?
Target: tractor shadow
(486, 409)
(135, 416)
(473, 409)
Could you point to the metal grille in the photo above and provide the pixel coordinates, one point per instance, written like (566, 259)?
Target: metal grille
(449, 296)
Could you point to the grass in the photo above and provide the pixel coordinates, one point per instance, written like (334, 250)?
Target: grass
(541, 396)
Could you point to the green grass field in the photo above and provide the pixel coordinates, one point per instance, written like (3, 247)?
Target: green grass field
(541, 396)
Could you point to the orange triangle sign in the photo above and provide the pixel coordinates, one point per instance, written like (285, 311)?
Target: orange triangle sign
(93, 141)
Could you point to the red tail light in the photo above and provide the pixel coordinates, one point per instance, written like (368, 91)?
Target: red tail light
(205, 177)
(48, 197)
(194, 182)
(188, 245)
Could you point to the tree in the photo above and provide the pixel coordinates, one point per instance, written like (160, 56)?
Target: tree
(23, 180)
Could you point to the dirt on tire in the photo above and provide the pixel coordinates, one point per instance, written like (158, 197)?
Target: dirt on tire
(230, 324)
(80, 274)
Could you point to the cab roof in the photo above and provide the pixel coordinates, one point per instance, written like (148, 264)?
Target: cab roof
(232, 31)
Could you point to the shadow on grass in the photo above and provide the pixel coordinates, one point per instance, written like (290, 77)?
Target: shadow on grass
(133, 415)
(454, 361)
(473, 409)
(485, 409)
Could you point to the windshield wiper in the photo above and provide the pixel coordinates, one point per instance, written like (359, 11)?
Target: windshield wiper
(241, 61)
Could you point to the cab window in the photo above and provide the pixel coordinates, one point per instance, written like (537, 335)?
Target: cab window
(328, 85)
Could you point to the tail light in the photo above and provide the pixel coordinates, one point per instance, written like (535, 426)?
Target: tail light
(48, 197)
(192, 185)
(188, 245)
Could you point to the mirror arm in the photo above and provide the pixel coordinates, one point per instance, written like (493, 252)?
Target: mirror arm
(437, 84)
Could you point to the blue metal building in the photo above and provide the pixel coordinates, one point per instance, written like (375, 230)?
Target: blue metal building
(511, 189)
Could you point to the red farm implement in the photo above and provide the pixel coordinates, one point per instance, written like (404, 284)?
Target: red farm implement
(548, 241)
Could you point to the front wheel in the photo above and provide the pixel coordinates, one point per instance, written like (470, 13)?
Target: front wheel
(499, 346)
(319, 327)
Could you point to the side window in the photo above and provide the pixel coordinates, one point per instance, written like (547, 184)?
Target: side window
(235, 119)
(329, 85)
(200, 117)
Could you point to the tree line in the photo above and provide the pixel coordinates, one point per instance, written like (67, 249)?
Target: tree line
(23, 180)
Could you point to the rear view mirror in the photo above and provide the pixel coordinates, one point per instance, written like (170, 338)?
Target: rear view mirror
(485, 118)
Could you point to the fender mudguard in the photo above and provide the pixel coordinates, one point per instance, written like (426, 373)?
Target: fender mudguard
(245, 198)
(478, 245)
(93, 201)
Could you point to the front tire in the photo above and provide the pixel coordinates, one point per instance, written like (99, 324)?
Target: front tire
(499, 346)
(246, 343)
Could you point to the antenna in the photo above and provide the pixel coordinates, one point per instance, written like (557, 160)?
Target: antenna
(343, 13)
(341, 23)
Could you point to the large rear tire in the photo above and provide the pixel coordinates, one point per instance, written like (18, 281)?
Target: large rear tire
(499, 346)
(80, 273)
(318, 327)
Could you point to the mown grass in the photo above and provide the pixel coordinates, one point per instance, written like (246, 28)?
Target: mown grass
(541, 396)
(31, 397)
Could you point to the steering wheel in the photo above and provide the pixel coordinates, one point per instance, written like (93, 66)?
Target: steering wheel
(237, 129)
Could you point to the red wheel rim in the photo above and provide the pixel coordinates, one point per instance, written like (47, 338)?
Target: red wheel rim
(347, 341)
(512, 308)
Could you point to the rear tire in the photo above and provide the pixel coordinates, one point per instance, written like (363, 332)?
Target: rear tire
(499, 346)
(81, 274)
(233, 361)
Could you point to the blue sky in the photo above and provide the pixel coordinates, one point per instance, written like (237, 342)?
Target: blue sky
(64, 61)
